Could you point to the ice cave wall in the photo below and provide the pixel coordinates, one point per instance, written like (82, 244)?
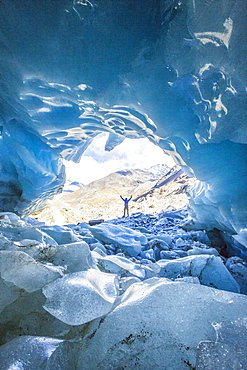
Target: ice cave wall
(171, 70)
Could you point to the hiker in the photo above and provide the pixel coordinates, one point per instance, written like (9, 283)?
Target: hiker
(126, 205)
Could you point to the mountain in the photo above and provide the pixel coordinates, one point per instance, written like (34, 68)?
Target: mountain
(159, 170)
(71, 186)
(101, 199)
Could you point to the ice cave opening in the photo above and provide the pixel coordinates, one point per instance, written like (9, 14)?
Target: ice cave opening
(98, 161)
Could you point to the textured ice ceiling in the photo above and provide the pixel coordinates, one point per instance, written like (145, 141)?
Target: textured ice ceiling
(171, 70)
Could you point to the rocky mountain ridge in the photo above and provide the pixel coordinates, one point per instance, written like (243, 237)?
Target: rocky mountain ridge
(101, 198)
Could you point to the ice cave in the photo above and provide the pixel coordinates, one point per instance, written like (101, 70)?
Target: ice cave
(172, 71)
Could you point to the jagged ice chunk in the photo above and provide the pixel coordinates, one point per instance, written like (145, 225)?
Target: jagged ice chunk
(81, 297)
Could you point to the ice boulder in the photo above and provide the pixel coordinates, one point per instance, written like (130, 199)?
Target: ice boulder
(238, 268)
(126, 282)
(169, 254)
(165, 237)
(97, 253)
(98, 245)
(152, 269)
(158, 325)
(128, 240)
(81, 297)
(23, 271)
(180, 242)
(229, 350)
(10, 218)
(27, 243)
(5, 242)
(121, 265)
(61, 234)
(38, 235)
(198, 250)
(74, 256)
(188, 279)
(158, 243)
(209, 269)
(41, 353)
(148, 254)
(161, 241)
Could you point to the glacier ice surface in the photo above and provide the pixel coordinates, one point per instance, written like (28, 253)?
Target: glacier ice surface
(159, 325)
(209, 269)
(115, 310)
(81, 296)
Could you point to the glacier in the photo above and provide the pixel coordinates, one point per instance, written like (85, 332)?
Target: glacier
(173, 71)
(80, 296)
(72, 298)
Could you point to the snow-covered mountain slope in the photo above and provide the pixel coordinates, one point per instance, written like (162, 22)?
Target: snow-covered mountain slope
(101, 199)
(71, 186)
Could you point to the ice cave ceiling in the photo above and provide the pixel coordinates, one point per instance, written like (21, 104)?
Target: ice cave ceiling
(171, 70)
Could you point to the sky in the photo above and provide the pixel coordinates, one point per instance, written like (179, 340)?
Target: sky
(131, 153)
